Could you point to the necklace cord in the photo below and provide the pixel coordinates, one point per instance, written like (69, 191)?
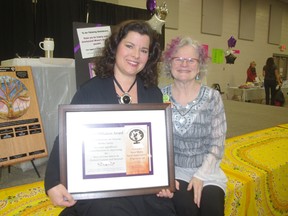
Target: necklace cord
(125, 98)
(120, 87)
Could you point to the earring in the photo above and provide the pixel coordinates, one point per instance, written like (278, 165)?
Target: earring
(197, 77)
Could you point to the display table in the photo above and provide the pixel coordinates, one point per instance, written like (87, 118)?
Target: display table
(249, 94)
(256, 166)
(255, 94)
(55, 84)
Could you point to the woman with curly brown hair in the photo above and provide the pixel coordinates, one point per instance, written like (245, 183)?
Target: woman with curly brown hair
(125, 73)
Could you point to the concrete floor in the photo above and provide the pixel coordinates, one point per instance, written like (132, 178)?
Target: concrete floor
(245, 118)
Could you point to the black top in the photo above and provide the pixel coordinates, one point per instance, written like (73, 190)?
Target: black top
(270, 72)
(96, 91)
(102, 91)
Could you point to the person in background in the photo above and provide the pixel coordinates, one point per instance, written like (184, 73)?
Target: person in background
(251, 72)
(271, 80)
(199, 130)
(125, 73)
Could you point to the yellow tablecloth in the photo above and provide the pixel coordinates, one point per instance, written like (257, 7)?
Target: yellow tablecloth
(26, 200)
(256, 165)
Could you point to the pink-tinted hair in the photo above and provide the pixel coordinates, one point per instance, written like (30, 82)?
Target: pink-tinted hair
(179, 42)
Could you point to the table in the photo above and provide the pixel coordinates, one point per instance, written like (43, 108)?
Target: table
(55, 83)
(256, 166)
(285, 92)
(253, 94)
(249, 94)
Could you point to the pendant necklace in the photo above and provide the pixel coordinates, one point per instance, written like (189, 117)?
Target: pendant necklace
(125, 98)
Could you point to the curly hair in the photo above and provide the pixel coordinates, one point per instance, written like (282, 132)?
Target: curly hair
(179, 42)
(105, 63)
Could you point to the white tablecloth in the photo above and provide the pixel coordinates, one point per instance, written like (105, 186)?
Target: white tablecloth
(55, 84)
(251, 94)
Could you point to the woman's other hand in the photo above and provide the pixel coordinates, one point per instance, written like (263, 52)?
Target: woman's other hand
(59, 196)
(197, 185)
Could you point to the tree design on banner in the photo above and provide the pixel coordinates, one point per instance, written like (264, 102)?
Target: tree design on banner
(14, 98)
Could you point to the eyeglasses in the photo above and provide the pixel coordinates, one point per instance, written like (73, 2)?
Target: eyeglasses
(181, 60)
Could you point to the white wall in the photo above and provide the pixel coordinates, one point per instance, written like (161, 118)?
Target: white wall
(189, 16)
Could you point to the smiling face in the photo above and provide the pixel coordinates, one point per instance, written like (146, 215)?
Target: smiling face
(187, 67)
(132, 54)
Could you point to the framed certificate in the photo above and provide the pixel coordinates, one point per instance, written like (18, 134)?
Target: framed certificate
(115, 150)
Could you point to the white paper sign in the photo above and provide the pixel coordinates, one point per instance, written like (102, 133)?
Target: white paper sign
(92, 40)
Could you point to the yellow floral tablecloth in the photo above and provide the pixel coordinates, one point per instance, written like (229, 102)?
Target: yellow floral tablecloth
(256, 165)
(26, 200)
